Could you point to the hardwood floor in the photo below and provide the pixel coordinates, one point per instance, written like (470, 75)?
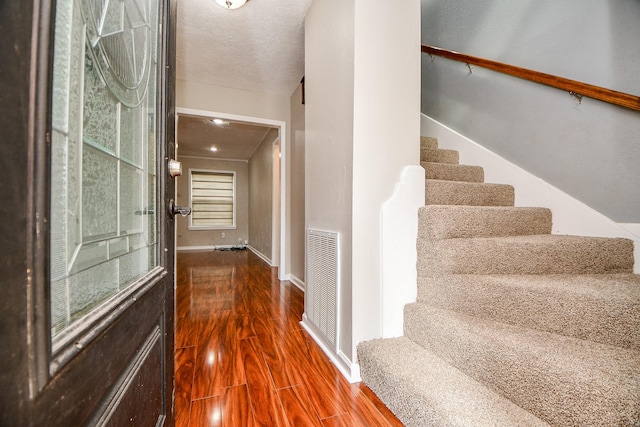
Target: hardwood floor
(243, 359)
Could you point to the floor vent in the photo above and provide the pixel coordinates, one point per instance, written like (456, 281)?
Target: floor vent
(321, 295)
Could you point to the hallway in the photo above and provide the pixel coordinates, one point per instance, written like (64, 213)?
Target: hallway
(242, 358)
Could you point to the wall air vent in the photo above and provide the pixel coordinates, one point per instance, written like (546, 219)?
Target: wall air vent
(322, 290)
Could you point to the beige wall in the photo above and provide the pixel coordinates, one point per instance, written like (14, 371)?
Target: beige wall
(231, 101)
(191, 238)
(261, 196)
(296, 187)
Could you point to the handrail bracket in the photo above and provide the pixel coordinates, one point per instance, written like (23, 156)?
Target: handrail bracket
(576, 95)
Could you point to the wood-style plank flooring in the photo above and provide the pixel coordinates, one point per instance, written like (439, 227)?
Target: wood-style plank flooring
(242, 358)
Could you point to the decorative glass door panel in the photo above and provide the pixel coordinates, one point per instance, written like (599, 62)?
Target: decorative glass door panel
(103, 174)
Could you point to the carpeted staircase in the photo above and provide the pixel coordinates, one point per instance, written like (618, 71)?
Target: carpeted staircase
(513, 326)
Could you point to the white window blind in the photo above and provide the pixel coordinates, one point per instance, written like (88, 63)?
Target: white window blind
(212, 199)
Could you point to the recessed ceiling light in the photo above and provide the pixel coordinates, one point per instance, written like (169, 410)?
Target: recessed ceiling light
(213, 148)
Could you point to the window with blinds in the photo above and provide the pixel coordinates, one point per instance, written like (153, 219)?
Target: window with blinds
(212, 199)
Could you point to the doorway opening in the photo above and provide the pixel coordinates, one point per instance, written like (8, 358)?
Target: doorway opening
(255, 150)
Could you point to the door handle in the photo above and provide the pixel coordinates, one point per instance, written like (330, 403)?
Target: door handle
(181, 210)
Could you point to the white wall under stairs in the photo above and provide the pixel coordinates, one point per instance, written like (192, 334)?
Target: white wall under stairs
(399, 222)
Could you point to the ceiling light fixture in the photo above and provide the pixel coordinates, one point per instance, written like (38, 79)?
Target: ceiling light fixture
(231, 4)
(213, 148)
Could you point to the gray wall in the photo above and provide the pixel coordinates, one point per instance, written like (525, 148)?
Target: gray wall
(261, 195)
(186, 237)
(590, 150)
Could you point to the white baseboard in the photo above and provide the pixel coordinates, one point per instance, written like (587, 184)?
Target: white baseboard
(631, 228)
(570, 216)
(296, 281)
(354, 368)
(260, 255)
(349, 369)
(206, 248)
(196, 248)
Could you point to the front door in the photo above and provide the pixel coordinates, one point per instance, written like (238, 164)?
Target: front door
(86, 238)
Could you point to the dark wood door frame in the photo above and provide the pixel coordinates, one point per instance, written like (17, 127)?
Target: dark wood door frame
(21, 246)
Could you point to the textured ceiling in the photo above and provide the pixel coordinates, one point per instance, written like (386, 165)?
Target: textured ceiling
(259, 47)
(234, 140)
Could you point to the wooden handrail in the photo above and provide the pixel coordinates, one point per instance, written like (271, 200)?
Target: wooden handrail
(574, 87)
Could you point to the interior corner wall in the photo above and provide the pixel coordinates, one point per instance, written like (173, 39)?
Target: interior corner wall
(386, 138)
(261, 196)
(588, 149)
(362, 128)
(206, 238)
(296, 187)
(329, 44)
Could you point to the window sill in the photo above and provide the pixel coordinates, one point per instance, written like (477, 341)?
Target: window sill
(192, 228)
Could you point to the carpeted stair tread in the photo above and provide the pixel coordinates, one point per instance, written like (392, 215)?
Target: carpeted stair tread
(439, 192)
(423, 390)
(603, 308)
(453, 221)
(439, 156)
(453, 172)
(539, 254)
(562, 380)
(428, 143)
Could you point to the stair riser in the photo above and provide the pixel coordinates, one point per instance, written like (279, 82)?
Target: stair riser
(445, 222)
(560, 380)
(565, 306)
(472, 194)
(439, 156)
(428, 143)
(451, 172)
(512, 256)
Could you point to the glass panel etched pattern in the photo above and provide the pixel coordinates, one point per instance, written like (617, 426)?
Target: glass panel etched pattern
(131, 209)
(101, 120)
(99, 180)
(103, 172)
(130, 134)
